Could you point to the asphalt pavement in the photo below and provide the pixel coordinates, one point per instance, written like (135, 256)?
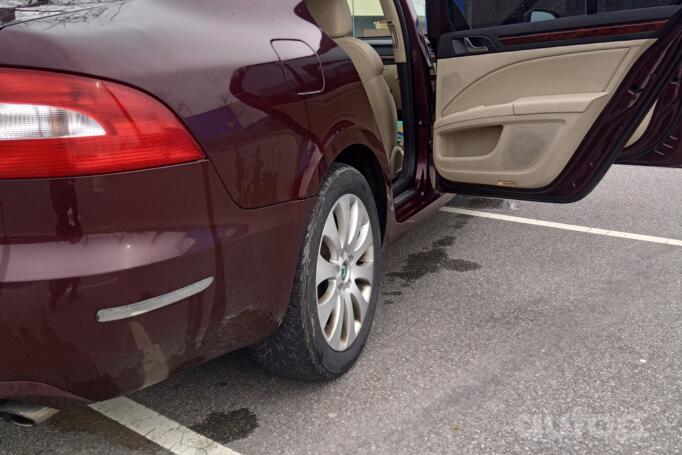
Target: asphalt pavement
(492, 336)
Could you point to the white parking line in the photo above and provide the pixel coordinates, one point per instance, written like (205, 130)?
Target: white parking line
(566, 227)
(159, 429)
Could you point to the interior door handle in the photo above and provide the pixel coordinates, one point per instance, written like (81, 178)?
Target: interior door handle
(473, 48)
(471, 45)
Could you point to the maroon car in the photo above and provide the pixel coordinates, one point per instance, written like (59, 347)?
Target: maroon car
(181, 179)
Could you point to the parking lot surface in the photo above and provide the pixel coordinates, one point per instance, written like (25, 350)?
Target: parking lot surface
(492, 336)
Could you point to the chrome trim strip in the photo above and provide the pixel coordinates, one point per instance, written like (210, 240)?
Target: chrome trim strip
(145, 306)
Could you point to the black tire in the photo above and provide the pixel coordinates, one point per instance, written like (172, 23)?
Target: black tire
(298, 348)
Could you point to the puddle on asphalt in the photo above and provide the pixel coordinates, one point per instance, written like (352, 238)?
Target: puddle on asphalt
(460, 221)
(393, 293)
(448, 240)
(480, 203)
(418, 265)
(225, 427)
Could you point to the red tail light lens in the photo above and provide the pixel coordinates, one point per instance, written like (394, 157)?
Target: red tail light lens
(58, 125)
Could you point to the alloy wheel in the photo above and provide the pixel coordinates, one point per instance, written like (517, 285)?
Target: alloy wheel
(345, 272)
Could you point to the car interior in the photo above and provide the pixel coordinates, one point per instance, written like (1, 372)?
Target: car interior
(484, 133)
(379, 77)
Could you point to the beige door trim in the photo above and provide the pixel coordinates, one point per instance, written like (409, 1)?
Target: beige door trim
(516, 118)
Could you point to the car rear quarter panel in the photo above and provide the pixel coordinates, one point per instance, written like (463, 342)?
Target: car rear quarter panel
(240, 217)
(113, 240)
(212, 62)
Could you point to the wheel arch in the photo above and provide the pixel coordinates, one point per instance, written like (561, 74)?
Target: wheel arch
(364, 161)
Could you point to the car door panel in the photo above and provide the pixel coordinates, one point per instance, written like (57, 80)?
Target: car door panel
(534, 101)
(642, 128)
(597, 28)
(658, 142)
(517, 105)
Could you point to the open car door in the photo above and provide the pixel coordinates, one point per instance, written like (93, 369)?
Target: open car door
(541, 110)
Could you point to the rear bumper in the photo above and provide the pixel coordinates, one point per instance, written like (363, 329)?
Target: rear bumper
(74, 247)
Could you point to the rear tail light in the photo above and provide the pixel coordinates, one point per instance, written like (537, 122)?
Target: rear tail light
(58, 125)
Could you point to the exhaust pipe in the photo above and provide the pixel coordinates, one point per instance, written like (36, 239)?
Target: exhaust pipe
(24, 414)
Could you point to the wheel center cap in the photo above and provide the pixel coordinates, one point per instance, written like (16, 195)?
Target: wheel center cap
(344, 272)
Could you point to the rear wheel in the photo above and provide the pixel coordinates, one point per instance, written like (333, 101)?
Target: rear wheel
(336, 285)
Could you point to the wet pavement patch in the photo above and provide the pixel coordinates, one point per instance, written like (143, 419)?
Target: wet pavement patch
(448, 240)
(460, 221)
(420, 264)
(394, 293)
(460, 265)
(476, 203)
(227, 427)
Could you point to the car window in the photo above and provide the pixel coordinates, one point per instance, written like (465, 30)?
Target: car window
(420, 8)
(368, 19)
(488, 13)
(616, 5)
